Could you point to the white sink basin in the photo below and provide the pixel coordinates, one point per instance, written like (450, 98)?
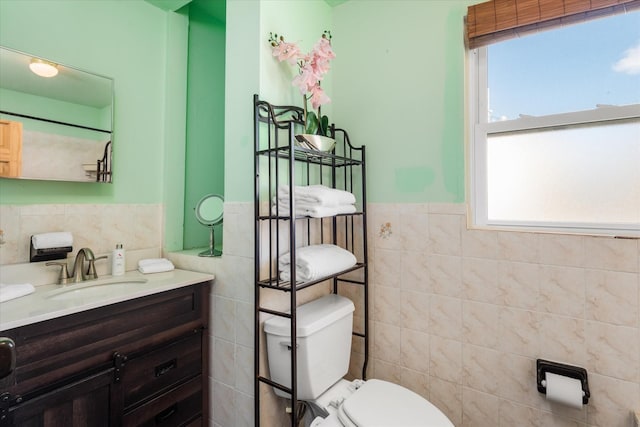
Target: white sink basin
(92, 289)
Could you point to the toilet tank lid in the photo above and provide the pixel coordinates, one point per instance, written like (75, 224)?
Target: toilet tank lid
(312, 316)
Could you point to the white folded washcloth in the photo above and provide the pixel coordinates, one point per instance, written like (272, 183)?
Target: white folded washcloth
(59, 239)
(154, 265)
(8, 292)
(316, 261)
(314, 211)
(316, 194)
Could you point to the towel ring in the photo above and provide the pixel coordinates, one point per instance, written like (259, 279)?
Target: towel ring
(209, 212)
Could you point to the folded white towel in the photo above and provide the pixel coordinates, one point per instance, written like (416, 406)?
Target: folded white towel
(154, 265)
(8, 292)
(314, 211)
(59, 239)
(316, 261)
(317, 194)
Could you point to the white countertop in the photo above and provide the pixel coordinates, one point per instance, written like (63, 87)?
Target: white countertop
(51, 301)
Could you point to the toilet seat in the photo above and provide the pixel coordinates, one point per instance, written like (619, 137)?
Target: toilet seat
(381, 403)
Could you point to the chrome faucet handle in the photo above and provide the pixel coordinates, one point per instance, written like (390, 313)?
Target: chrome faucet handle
(91, 270)
(63, 278)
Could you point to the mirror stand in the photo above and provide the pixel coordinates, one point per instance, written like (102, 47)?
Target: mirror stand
(212, 240)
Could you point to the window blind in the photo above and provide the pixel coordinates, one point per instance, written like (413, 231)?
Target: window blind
(498, 20)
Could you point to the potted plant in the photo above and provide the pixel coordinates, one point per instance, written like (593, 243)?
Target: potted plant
(312, 68)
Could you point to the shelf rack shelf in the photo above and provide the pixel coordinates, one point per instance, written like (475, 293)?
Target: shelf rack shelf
(279, 161)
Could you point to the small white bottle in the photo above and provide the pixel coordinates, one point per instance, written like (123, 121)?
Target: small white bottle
(117, 261)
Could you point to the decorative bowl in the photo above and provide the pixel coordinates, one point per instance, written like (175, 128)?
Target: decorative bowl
(315, 142)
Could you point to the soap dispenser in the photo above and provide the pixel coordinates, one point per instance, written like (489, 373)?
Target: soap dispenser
(117, 261)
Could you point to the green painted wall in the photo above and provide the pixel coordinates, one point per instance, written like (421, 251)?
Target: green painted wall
(123, 40)
(205, 114)
(242, 65)
(252, 69)
(397, 86)
(175, 107)
(399, 89)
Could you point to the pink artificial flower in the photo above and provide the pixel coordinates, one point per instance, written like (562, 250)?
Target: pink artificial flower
(306, 80)
(320, 66)
(312, 66)
(318, 97)
(323, 49)
(322, 54)
(289, 52)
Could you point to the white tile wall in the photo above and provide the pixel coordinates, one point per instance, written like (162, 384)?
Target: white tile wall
(458, 315)
(477, 308)
(99, 227)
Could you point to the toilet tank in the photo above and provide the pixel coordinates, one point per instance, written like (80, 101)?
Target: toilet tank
(324, 345)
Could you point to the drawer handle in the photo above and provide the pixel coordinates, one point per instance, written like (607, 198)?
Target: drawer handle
(166, 414)
(166, 367)
(7, 356)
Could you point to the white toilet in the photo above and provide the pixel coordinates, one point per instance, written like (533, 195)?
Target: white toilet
(324, 329)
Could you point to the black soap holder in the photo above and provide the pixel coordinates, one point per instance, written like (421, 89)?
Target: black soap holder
(47, 254)
(576, 372)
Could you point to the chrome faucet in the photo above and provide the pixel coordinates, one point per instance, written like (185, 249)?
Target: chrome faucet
(79, 273)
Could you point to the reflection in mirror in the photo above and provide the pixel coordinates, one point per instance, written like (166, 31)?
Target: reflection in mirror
(54, 128)
(209, 212)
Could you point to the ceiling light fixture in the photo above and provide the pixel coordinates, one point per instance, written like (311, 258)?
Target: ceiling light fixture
(43, 68)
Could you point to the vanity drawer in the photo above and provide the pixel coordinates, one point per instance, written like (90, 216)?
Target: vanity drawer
(160, 369)
(179, 407)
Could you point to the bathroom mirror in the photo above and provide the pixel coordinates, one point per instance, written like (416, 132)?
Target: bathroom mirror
(54, 128)
(209, 212)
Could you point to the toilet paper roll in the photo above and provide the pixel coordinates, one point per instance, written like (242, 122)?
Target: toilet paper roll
(564, 390)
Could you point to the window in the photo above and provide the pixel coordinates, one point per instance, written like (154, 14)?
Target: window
(555, 141)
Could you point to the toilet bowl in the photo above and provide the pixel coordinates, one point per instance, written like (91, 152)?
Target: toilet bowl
(377, 403)
(323, 345)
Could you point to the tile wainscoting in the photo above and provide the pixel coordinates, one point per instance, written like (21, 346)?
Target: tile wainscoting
(458, 315)
(100, 227)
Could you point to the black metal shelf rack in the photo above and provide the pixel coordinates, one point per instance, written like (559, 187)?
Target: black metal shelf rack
(278, 160)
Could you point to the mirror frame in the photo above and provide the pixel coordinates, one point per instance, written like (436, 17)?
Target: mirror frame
(198, 210)
(71, 87)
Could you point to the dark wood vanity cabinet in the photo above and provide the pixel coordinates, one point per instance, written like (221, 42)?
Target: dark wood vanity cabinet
(142, 362)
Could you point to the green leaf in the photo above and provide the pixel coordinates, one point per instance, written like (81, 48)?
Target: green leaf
(324, 126)
(312, 123)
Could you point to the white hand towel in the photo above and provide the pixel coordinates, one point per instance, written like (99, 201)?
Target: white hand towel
(314, 211)
(316, 261)
(317, 194)
(154, 265)
(58, 239)
(8, 292)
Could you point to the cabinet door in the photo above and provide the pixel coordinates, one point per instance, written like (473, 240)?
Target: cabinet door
(88, 402)
(10, 148)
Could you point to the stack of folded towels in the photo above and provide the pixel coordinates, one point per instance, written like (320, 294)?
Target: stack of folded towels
(316, 261)
(154, 265)
(316, 201)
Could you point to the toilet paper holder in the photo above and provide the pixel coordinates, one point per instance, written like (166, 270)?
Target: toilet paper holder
(544, 366)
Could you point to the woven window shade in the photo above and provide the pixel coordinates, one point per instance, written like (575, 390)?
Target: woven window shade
(498, 20)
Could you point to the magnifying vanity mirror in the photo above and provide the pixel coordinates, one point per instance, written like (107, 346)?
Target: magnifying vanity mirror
(209, 211)
(56, 126)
